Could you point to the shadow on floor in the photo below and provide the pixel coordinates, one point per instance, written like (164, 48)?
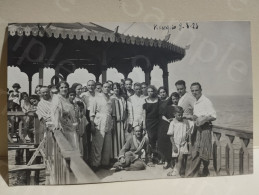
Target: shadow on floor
(102, 173)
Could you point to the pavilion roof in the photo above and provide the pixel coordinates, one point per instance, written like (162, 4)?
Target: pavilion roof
(87, 31)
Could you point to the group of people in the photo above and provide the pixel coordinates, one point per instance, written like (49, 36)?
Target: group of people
(126, 126)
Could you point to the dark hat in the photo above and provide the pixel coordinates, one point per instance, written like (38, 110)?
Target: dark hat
(16, 85)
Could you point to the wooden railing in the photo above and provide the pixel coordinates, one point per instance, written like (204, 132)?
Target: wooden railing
(65, 164)
(225, 137)
(17, 130)
(16, 121)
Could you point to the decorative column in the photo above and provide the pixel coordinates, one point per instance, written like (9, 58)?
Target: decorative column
(147, 70)
(56, 76)
(165, 77)
(148, 76)
(104, 66)
(165, 80)
(40, 76)
(97, 76)
(125, 75)
(30, 84)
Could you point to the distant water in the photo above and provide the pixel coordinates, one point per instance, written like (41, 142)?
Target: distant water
(234, 111)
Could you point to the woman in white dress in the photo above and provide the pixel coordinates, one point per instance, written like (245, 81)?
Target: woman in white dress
(63, 115)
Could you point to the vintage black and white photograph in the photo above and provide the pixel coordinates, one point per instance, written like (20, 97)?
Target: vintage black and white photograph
(109, 101)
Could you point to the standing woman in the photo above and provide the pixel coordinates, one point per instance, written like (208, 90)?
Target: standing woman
(77, 88)
(163, 141)
(119, 114)
(63, 114)
(151, 115)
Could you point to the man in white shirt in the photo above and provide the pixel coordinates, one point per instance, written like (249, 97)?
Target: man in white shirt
(203, 114)
(99, 87)
(101, 125)
(144, 89)
(43, 110)
(186, 100)
(88, 98)
(128, 86)
(137, 102)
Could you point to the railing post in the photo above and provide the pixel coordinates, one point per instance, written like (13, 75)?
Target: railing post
(36, 130)
(10, 131)
(20, 131)
(217, 153)
(59, 166)
(230, 155)
(55, 164)
(244, 156)
(68, 165)
(67, 178)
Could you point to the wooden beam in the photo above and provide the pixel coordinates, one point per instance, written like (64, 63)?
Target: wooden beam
(14, 168)
(82, 172)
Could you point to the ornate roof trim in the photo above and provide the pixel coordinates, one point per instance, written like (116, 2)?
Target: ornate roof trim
(97, 33)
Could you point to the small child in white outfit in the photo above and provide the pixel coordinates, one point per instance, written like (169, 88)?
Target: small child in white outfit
(179, 130)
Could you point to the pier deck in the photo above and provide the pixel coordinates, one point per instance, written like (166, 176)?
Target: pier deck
(232, 155)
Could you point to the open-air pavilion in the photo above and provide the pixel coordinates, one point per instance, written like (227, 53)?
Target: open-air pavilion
(67, 47)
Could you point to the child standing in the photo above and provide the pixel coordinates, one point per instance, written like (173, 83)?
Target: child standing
(165, 145)
(179, 131)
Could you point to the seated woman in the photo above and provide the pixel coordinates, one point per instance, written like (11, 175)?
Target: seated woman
(135, 153)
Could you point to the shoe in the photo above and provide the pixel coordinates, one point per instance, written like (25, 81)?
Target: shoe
(205, 172)
(161, 162)
(150, 164)
(167, 165)
(116, 168)
(173, 173)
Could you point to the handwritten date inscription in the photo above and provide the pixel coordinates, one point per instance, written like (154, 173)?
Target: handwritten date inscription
(180, 26)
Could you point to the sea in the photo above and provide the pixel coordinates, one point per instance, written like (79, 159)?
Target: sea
(232, 111)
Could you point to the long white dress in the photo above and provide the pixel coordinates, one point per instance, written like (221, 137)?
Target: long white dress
(63, 117)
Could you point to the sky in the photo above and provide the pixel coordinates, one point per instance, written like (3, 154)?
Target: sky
(219, 57)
